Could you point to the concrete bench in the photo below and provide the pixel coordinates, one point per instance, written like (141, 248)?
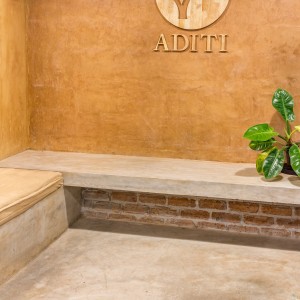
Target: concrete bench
(32, 215)
(161, 175)
(173, 192)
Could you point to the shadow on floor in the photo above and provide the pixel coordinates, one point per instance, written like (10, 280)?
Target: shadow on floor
(187, 234)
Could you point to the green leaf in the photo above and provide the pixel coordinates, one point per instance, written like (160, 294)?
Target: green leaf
(295, 158)
(284, 103)
(297, 128)
(273, 164)
(260, 161)
(262, 146)
(260, 133)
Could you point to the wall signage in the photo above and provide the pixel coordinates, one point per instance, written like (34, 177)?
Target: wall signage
(192, 15)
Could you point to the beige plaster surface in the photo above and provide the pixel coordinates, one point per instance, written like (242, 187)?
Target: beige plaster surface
(161, 175)
(25, 236)
(95, 84)
(114, 261)
(14, 109)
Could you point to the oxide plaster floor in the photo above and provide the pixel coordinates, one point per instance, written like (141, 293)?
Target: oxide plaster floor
(107, 260)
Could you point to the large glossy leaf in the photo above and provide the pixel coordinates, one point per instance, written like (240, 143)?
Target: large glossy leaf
(260, 161)
(260, 133)
(273, 164)
(284, 103)
(295, 158)
(262, 146)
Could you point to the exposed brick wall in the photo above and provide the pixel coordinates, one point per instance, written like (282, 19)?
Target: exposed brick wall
(193, 212)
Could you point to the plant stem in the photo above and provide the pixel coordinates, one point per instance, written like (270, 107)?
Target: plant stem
(283, 138)
(288, 128)
(288, 159)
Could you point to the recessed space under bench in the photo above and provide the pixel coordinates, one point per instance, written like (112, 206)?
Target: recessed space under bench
(173, 192)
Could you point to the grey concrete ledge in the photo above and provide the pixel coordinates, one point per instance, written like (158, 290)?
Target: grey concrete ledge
(161, 175)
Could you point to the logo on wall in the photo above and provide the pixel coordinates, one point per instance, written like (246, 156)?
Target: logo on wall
(192, 15)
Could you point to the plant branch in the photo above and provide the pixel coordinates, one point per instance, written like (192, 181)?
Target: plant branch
(282, 144)
(282, 137)
(285, 148)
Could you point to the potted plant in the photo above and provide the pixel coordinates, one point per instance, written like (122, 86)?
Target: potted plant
(279, 153)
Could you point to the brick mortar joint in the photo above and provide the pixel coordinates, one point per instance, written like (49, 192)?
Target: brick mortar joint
(196, 198)
(179, 217)
(179, 209)
(195, 220)
(191, 197)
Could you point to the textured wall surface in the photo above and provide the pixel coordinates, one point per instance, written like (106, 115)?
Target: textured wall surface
(96, 85)
(266, 219)
(14, 116)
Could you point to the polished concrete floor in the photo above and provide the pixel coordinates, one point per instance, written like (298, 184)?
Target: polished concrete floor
(106, 260)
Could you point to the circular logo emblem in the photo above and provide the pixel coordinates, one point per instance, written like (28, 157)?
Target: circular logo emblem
(192, 14)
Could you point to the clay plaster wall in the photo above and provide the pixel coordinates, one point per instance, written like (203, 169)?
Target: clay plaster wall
(95, 84)
(14, 116)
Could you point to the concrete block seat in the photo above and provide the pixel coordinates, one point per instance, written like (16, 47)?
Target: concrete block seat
(32, 215)
(173, 192)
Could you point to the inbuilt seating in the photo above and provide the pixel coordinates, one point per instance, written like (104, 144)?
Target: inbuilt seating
(173, 192)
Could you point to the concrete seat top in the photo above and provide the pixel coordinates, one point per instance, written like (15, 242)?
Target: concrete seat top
(161, 175)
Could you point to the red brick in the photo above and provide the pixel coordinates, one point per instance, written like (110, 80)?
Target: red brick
(124, 196)
(92, 194)
(153, 199)
(151, 220)
(297, 235)
(297, 211)
(88, 203)
(258, 220)
(197, 214)
(135, 208)
(94, 214)
(226, 217)
(211, 225)
(275, 232)
(184, 202)
(121, 217)
(181, 223)
(100, 205)
(163, 211)
(289, 223)
(243, 229)
(277, 210)
(243, 206)
(212, 204)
